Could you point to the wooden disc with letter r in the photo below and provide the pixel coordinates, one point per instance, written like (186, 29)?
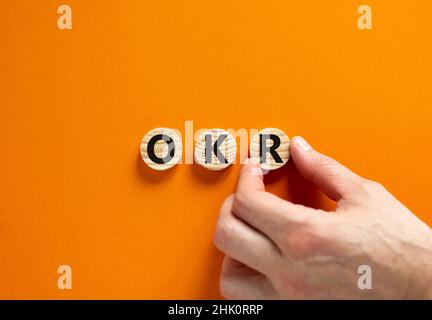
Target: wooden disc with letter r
(270, 148)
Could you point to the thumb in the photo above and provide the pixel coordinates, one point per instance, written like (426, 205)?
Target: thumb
(251, 178)
(334, 179)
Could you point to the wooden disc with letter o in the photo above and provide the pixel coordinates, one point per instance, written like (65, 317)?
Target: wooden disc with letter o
(161, 148)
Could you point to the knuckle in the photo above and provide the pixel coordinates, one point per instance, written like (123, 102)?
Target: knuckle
(378, 186)
(322, 163)
(301, 221)
(241, 201)
(222, 230)
(227, 203)
(371, 186)
(322, 160)
(221, 235)
(307, 241)
(218, 237)
(359, 186)
(225, 288)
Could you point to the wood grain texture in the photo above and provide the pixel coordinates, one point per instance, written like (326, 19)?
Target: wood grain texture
(228, 148)
(161, 148)
(282, 150)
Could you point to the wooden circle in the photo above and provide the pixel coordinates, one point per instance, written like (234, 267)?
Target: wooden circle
(282, 150)
(227, 148)
(162, 148)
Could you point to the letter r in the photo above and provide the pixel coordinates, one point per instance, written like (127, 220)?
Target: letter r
(264, 149)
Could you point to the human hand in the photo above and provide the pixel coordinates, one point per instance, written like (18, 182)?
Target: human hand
(275, 249)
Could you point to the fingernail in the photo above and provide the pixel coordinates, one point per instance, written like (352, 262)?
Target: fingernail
(252, 162)
(254, 167)
(302, 143)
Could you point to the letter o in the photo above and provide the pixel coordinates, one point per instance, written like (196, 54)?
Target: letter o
(161, 148)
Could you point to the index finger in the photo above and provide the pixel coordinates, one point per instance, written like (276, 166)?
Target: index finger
(265, 212)
(251, 177)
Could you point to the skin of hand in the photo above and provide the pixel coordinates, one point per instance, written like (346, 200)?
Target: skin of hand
(275, 249)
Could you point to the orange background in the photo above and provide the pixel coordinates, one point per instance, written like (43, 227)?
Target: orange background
(74, 106)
